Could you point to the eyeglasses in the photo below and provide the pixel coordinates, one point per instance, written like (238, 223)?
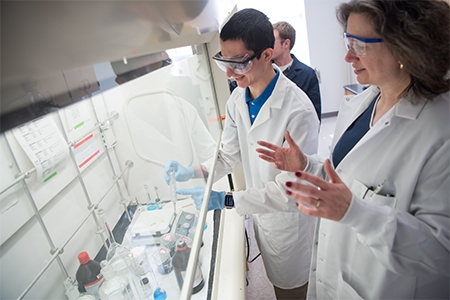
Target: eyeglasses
(279, 41)
(238, 64)
(358, 44)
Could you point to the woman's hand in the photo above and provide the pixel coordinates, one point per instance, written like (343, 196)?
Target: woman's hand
(329, 200)
(286, 159)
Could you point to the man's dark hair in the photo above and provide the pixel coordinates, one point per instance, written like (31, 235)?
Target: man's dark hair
(252, 27)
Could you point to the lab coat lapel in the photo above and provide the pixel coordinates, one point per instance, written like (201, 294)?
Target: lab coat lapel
(403, 109)
(351, 115)
(242, 107)
(275, 101)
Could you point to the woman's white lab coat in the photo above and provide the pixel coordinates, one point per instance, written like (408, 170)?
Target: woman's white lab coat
(393, 244)
(284, 238)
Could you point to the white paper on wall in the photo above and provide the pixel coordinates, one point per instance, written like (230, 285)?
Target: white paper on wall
(87, 150)
(44, 145)
(77, 115)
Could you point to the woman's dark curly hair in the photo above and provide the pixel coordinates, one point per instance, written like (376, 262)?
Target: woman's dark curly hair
(417, 32)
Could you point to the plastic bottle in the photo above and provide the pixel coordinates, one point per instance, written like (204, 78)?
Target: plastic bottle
(114, 286)
(72, 291)
(180, 262)
(88, 275)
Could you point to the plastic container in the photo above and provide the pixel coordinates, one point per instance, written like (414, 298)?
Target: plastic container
(180, 262)
(88, 275)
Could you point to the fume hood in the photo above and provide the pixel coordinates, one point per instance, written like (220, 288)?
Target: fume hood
(96, 96)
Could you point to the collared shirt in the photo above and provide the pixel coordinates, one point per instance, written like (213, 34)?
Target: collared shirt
(254, 105)
(285, 69)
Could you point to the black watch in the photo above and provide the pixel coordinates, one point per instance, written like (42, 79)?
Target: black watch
(229, 200)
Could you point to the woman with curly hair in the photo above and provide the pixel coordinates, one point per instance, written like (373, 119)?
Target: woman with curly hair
(383, 197)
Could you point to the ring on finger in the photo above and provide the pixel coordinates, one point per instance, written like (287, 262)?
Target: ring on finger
(317, 203)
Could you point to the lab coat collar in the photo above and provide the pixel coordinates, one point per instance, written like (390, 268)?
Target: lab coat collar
(406, 109)
(275, 100)
(403, 109)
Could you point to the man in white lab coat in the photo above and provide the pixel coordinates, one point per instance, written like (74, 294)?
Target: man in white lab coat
(263, 107)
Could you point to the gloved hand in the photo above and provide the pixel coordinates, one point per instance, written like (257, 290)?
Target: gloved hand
(182, 173)
(216, 199)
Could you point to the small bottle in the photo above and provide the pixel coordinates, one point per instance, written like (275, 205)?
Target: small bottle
(114, 286)
(88, 275)
(164, 261)
(72, 291)
(146, 288)
(168, 241)
(180, 262)
(159, 293)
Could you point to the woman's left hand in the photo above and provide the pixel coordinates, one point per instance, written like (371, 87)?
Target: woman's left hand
(329, 200)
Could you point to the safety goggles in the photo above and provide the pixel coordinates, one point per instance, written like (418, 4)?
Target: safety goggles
(238, 64)
(358, 45)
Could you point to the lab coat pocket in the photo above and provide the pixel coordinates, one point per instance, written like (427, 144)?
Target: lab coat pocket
(365, 193)
(381, 199)
(345, 290)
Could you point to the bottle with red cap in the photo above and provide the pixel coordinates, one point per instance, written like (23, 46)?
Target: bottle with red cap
(88, 275)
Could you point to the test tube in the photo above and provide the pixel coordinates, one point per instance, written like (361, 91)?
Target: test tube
(173, 188)
(157, 200)
(150, 203)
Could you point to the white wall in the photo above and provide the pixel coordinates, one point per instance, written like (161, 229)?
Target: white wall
(327, 51)
(24, 249)
(291, 11)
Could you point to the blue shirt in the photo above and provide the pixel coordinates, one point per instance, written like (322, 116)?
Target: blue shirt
(353, 134)
(254, 105)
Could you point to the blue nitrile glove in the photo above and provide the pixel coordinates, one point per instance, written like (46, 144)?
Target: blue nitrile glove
(182, 173)
(216, 199)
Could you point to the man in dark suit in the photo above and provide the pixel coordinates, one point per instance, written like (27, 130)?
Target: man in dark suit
(302, 75)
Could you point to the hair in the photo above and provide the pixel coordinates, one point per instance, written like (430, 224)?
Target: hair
(250, 26)
(416, 33)
(286, 31)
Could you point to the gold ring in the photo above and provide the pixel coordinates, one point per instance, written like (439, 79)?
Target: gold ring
(318, 204)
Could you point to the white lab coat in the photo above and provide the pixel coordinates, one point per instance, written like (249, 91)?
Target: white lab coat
(284, 238)
(394, 244)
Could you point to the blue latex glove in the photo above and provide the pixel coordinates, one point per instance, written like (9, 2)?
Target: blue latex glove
(182, 173)
(216, 199)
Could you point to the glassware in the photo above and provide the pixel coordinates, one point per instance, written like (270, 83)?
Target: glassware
(120, 258)
(115, 286)
(173, 189)
(72, 291)
(151, 205)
